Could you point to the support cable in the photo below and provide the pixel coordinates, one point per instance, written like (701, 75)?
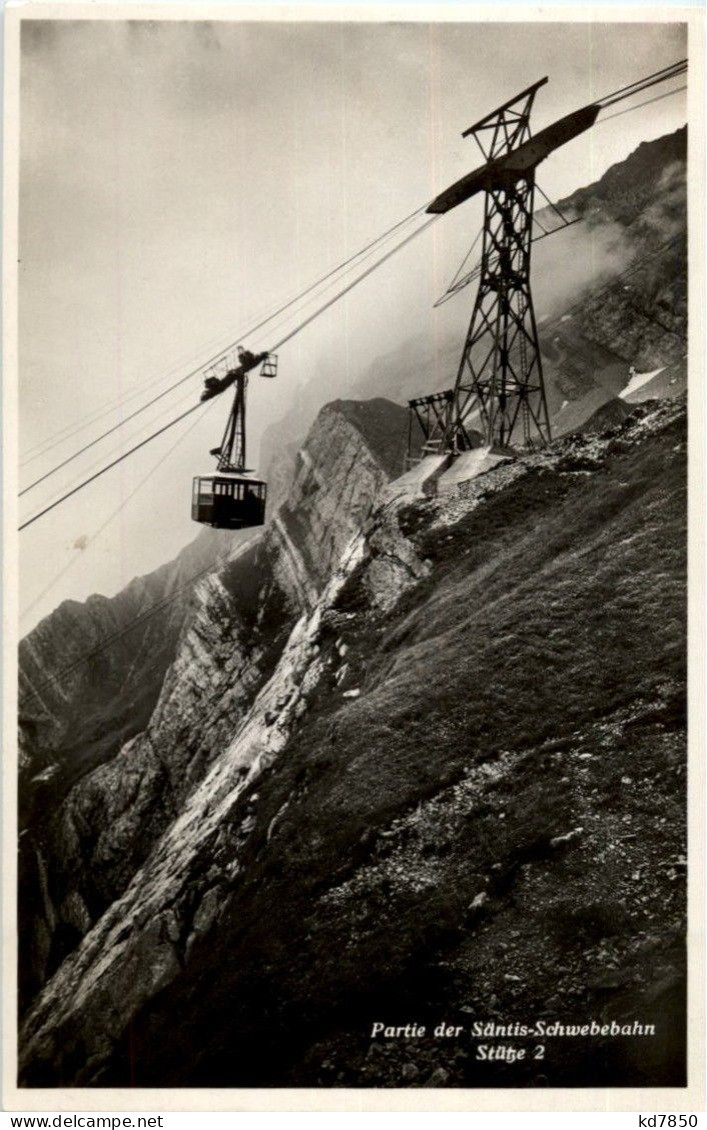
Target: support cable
(48, 443)
(639, 89)
(564, 219)
(281, 322)
(108, 467)
(212, 360)
(648, 102)
(111, 518)
(355, 282)
(183, 415)
(466, 258)
(643, 83)
(118, 448)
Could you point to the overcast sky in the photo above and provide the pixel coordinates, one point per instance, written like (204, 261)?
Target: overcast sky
(178, 179)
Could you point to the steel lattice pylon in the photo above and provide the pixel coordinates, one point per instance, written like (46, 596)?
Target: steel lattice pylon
(499, 388)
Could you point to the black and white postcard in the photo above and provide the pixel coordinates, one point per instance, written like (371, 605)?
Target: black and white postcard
(347, 648)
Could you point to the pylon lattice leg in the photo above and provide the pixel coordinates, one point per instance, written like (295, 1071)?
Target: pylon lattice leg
(499, 388)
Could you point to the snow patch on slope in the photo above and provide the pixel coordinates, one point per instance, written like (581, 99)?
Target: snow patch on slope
(638, 380)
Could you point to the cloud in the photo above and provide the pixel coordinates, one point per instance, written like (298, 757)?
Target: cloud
(570, 261)
(666, 215)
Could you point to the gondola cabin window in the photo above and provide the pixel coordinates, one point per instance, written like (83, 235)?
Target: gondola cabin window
(229, 503)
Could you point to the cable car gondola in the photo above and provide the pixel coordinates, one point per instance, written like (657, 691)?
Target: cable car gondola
(228, 502)
(232, 499)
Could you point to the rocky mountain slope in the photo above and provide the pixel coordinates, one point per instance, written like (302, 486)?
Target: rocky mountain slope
(88, 826)
(634, 222)
(432, 771)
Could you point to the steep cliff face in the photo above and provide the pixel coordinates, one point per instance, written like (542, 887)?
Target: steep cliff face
(458, 790)
(315, 523)
(79, 858)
